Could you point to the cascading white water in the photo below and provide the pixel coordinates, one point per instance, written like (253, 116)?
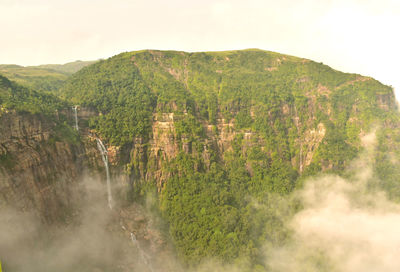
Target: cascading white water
(75, 109)
(104, 157)
(145, 258)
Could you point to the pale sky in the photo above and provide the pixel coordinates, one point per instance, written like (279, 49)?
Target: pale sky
(358, 36)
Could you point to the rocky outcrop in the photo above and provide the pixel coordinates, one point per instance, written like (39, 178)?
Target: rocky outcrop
(38, 170)
(309, 145)
(385, 101)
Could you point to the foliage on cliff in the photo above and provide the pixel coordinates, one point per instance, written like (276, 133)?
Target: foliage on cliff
(116, 90)
(22, 99)
(288, 118)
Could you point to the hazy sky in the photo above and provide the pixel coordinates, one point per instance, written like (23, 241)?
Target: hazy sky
(360, 36)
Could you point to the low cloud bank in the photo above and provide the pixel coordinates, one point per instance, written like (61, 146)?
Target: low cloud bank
(93, 243)
(345, 226)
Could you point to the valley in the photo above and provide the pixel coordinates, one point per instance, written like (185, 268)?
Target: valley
(174, 161)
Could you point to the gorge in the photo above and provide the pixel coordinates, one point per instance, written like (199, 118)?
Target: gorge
(215, 158)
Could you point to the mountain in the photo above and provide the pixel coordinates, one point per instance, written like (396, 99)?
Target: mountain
(68, 68)
(48, 77)
(216, 145)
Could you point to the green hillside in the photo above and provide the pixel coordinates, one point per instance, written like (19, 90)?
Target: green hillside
(68, 68)
(43, 77)
(27, 102)
(36, 78)
(22, 99)
(283, 119)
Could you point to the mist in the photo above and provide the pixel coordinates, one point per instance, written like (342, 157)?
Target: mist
(93, 241)
(345, 225)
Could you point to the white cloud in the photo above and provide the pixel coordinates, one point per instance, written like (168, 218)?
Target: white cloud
(344, 226)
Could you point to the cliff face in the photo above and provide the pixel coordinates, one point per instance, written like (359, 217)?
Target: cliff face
(151, 106)
(48, 176)
(165, 144)
(39, 171)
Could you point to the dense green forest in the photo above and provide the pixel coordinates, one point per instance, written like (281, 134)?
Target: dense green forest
(22, 99)
(48, 107)
(222, 140)
(287, 118)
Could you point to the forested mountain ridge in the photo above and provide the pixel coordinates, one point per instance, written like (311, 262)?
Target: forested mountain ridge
(272, 96)
(213, 130)
(221, 140)
(16, 97)
(49, 77)
(68, 68)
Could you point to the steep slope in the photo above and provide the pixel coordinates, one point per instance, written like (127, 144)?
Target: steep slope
(217, 143)
(53, 211)
(40, 155)
(214, 131)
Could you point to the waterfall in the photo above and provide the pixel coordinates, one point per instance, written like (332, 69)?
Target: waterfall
(301, 158)
(75, 109)
(145, 258)
(104, 157)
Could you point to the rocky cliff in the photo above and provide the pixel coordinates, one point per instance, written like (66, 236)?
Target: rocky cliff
(199, 103)
(53, 181)
(39, 169)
